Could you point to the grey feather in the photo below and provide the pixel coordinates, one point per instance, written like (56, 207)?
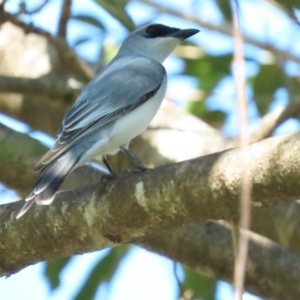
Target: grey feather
(123, 85)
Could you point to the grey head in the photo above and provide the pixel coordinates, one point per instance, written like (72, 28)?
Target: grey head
(155, 41)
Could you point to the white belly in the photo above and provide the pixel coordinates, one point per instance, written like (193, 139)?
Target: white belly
(127, 127)
(135, 122)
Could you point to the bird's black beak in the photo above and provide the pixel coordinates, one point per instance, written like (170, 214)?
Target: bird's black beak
(183, 34)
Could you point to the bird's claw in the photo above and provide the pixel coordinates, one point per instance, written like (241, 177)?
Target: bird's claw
(136, 170)
(108, 177)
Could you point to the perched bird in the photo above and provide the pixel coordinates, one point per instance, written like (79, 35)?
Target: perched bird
(112, 109)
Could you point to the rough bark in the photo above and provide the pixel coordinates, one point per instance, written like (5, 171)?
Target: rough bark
(17, 164)
(133, 207)
(209, 249)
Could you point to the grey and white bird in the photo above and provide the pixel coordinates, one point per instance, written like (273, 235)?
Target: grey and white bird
(112, 109)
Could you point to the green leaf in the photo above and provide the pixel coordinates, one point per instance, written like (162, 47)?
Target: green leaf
(209, 70)
(53, 269)
(89, 20)
(22, 7)
(266, 82)
(102, 272)
(81, 41)
(225, 8)
(117, 9)
(201, 286)
(215, 118)
(289, 4)
(293, 85)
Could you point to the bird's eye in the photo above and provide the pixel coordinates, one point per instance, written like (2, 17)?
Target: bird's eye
(151, 31)
(159, 30)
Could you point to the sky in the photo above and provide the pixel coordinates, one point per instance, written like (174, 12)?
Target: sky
(155, 279)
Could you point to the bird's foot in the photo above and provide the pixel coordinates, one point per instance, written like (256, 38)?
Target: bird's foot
(108, 177)
(136, 170)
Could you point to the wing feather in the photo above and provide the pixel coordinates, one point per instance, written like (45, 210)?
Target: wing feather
(122, 86)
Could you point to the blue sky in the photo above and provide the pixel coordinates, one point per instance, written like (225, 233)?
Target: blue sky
(155, 279)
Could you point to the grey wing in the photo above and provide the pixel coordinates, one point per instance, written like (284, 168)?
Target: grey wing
(121, 87)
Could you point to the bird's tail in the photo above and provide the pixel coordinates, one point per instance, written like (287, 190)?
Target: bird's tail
(49, 182)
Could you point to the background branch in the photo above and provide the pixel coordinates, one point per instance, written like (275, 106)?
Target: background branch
(64, 18)
(224, 28)
(77, 66)
(33, 11)
(273, 119)
(51, 85)
(210, 250)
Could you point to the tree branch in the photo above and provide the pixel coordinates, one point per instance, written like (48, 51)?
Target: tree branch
(34, 11)
(288, 11)
(64, 18)
(51, 85)
(77, 66)
(273, 119)
(16, 165)
(209, 249)
(128, 209)
(224, 28)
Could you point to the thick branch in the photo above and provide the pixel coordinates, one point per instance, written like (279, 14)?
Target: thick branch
(47, 85)
(142, 204)
(208, 248)
(16, 164)
(76, 66)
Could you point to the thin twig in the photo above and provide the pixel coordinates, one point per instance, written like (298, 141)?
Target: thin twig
(289, 11)
(34, 11)
(64, 18)
(239, 74)
(273, 119)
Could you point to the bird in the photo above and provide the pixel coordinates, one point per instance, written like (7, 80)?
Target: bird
(112, 109)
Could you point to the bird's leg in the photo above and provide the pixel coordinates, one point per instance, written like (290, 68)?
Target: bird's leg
(108, 166)
(135, 160)
(113, 174)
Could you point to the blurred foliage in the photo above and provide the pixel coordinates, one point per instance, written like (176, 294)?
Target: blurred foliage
(89, 20)
(265, 84)
(225, 8)
(102, 272)
(53, 270)
(209, 71)
(215, 118)
(289, 3)
(198, 286)
(293, 86)
(117, 9)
